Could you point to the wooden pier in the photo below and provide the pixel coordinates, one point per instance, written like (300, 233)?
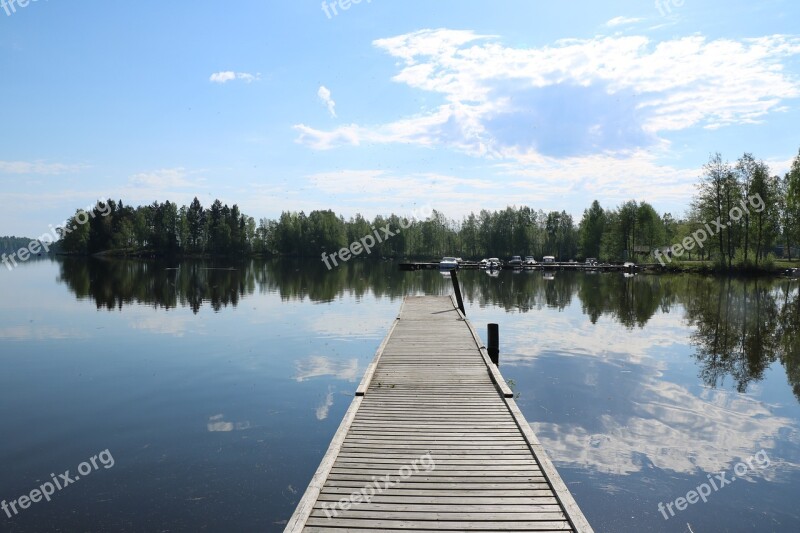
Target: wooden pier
(434, 441)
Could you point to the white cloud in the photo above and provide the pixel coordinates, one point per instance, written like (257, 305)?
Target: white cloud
(217, 423)
(579, 117)
(779, 167)
(672, 429)
(614, 177)
(525, 179)
(325, 95)
(498, 99)
(229, 75)
(324, 407)
(223, 77)
(622, 21)
(177, 185)
(381, 183)
(411, 195)
(318, 366)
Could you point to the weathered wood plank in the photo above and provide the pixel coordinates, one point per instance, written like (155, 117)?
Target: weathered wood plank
(410, 524)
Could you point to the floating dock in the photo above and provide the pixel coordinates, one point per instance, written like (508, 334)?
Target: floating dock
(434, 441)
(540, 266)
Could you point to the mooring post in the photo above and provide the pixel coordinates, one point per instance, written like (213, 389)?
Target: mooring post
(457, 289)
(494, 343)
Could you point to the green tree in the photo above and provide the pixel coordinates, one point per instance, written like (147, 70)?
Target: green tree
(765, 223)
(717, 193)
(791, 218)
(592, 227)
(746, 170)
(196, 220)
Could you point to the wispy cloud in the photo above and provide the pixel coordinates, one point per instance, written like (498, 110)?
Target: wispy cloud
(217, 423)
(318, 366)
(325, 405)
(38, 167)
(178, 185)
(325, 95)
(622, 21)
(229, 75)
(163, 178)
(529, 179)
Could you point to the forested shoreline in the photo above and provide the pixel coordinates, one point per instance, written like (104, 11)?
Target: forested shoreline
(9, 244)
(630, 231)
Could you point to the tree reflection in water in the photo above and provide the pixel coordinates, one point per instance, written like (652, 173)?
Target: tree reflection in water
(740, 326)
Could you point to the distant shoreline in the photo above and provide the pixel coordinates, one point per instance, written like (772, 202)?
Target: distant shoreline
(778, 268)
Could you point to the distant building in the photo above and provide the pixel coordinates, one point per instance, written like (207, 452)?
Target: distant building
(783, 251)
(665, 251)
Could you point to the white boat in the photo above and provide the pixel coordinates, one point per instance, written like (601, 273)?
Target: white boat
(530, 261)
(448, 263)
(548, 259)
(494, 263)
(515, 262)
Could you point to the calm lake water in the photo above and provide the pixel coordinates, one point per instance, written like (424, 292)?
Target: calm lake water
(216, 388)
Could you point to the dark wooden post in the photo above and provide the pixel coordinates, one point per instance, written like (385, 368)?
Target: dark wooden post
(457, 290)
(494, 343)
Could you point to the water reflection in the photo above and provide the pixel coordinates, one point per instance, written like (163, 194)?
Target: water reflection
(113, 283)
(325, 405)
(638, 387)
(318, 366)
(787, 333)
(740, 326)
(218, 423)
(652, 422)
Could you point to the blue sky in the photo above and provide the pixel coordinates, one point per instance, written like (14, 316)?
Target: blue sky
(387, 106)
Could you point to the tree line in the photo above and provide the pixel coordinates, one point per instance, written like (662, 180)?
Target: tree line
(159, 228)
(12, 244)
(630, 231)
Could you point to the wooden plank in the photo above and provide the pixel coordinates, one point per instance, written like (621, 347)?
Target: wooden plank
(410, 514)
(367, 379)
(384, 525)
(463, 497)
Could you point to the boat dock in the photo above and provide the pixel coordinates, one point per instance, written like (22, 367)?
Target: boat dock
(540, 266)
(434, 441)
